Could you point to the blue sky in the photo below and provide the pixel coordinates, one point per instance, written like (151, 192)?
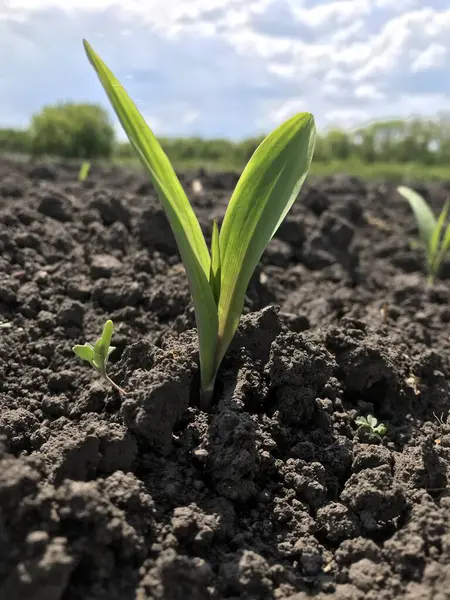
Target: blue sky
(230, 68)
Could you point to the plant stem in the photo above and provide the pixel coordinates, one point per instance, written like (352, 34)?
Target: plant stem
(114, 385)
(206, 395)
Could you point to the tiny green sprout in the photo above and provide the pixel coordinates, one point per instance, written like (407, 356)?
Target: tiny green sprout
(219, 276)
(371, 423)
(97, 355)
(84, 170)
(432, 237)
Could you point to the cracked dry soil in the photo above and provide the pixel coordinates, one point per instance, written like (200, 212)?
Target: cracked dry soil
(276, 494)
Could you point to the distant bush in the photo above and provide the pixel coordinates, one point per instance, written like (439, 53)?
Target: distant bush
(124, 150)
(247, 147)
(397, 148)
(195, 150)
(15, 140)
(72, 131)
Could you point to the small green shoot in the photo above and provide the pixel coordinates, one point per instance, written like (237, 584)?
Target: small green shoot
(97, 355)
(84, 170)
(371, 423)
(266, 190)
(432, 237)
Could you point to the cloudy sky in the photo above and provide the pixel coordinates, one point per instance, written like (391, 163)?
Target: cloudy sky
(230, 67)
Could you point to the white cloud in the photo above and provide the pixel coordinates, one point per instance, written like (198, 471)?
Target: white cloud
(346, 117)
(368, 92)
(432, 57)
(230, 67)
(190, 116)
(286, 109)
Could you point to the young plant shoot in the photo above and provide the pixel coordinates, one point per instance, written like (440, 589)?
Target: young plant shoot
(432, 237)
(371, 422)
(97, 355)
(84, 171)
(265, 192)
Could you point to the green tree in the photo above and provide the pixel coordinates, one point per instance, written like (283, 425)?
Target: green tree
(72, 131)
(14, 140)
(339, 144)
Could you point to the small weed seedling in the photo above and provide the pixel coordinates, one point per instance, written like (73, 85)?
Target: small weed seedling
(97, 355)
(371, 422)
(84, 170)
(432, 237)
(265, 192)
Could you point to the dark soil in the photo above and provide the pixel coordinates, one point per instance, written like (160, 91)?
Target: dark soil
(275, 494)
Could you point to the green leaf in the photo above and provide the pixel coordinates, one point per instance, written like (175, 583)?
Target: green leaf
(444, 249)
(84, 170)
(214, 278)
(381, 429)
(446, 242)
(98, 358)
(426, 221)
(372, 421)
(186, 228)
(101, 346)
(85, 351)
(266, 190)
(107, 334)
(436, 237)
(362, 421)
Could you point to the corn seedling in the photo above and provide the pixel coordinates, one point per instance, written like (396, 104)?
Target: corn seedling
(371, 423)
(84, 170)
(264, 194)
(434, 238)
(97, 355)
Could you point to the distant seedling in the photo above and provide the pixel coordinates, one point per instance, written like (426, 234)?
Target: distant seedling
(265, 192)
(371, 422)
(97, 355)
(432, 238)
(84, 170)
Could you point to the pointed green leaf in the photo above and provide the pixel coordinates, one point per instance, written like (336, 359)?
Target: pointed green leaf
(426, 221)
(84, 351)
(107, 334)
(184, 223)
(84, 170)
(99, 355)
(265, 192)
(437, 233)
(444, 249)
(446, 242)
(102, 346)
(214, 277)
(98, 347)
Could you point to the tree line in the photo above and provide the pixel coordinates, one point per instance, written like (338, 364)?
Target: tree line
(85, 131)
